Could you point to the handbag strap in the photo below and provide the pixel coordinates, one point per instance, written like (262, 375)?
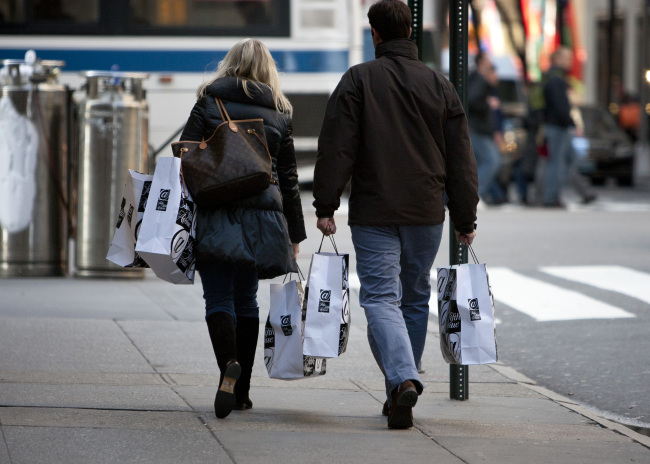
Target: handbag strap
(225, 116)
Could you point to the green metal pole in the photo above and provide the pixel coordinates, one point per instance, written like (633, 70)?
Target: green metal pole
(458, 41)
(416, 24)
(416, 36)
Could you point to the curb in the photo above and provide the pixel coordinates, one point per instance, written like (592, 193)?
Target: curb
(526, 382)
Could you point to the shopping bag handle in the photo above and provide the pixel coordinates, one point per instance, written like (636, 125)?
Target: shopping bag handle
(299, 273)
(471, 250)
(333, 244)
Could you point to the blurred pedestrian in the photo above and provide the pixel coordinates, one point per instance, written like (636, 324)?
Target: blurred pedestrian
(252, 238)
(398, 130)
(482, 107)
(560, 128)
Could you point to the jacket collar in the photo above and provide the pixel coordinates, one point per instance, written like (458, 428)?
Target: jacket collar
(397, 47)
(231, 89)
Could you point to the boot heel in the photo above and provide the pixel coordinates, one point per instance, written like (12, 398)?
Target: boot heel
(224, 402)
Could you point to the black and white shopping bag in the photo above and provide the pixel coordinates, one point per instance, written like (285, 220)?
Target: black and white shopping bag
(466, 315)
(134, 199)
(283, 336)
(327, 305)
(167, 235)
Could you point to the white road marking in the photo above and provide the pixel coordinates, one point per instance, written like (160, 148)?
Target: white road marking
(546, 302)
(613, 278)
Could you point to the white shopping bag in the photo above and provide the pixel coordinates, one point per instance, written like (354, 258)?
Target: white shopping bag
(283, 336)
(122, 249)
(327, 306)
(466, 315)
(168, 231)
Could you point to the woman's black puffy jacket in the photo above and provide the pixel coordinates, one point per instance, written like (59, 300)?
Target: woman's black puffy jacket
(257, 231)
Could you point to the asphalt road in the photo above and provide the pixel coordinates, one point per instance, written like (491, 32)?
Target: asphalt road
(572, 291)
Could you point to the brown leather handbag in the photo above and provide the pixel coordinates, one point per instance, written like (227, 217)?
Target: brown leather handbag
(232, 164)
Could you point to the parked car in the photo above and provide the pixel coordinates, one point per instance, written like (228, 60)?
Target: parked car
(604, 150)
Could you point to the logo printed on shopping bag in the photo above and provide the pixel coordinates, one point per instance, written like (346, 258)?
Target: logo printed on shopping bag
(178, 243)
(120, 218)
(185, 214)
(324, 301)
(474, 313)
(129, 216)
(343, 338)
(453, 318)
(313, 366)
(269, 335)
(146, 187)
(163, 199)
(187, 261)
(285, 323)
(450, 285)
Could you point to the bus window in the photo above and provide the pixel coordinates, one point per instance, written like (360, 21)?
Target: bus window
(203, 13)
(233, 18)
(49, 11)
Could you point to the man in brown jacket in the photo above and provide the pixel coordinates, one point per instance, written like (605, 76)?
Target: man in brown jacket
(398, 129)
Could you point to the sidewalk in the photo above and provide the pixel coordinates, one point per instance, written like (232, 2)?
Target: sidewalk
(106, 371)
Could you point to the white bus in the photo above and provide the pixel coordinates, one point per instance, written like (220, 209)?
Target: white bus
(179, 42)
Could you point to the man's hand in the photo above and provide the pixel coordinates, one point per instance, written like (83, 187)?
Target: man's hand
(326, 225)
(296, 250)
(465, 239)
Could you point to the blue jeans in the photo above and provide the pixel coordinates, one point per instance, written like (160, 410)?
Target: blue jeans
(488, 160)
(394, 268)
(561, 158)
(230, 289)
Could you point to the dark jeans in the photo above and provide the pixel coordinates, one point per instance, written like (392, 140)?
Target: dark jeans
(230, 289)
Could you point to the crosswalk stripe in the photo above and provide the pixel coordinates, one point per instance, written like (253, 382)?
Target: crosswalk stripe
(613, 278)
(546, 302)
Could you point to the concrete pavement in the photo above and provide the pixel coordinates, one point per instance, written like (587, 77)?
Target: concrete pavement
(108, 371)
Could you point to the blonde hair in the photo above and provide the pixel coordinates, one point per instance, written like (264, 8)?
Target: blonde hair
(250, 61)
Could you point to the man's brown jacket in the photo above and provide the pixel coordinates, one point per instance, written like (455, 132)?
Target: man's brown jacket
(398, 129)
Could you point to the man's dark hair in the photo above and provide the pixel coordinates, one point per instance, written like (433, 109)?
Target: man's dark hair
(391, 19)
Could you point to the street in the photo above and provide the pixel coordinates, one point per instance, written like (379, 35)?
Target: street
(572, 291)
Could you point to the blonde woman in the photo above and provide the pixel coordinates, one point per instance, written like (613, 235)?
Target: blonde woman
(251, 239)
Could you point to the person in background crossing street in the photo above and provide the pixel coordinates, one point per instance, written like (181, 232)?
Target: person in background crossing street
(399, 131)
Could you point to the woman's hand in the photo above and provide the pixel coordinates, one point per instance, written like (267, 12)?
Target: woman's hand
(296, 250)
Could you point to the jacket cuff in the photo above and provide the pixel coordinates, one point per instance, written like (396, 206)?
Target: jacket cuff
(466, 228)
(324, 213)
(297, 232)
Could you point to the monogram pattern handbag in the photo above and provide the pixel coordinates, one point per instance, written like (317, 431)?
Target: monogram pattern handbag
(232, 164)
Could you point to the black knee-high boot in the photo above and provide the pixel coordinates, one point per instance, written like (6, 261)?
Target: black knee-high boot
(247, 332)
(224, 343)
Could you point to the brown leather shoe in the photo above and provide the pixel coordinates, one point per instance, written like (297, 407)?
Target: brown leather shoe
(400, 415)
